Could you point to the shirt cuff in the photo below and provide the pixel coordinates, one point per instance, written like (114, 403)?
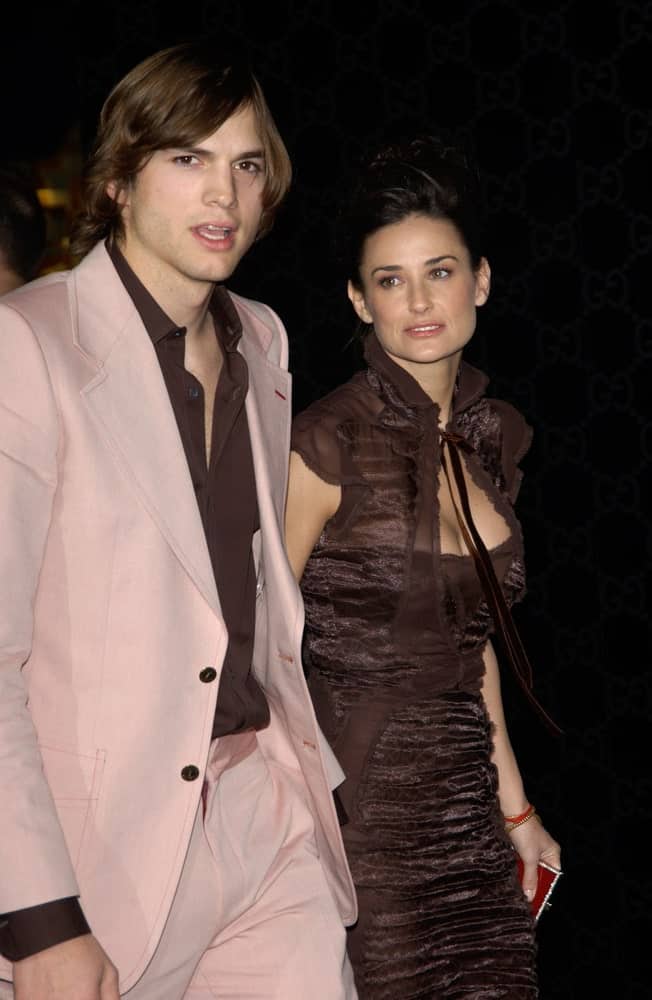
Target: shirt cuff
(26, 932)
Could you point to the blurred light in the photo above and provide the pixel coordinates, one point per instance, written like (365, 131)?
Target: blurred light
(53, 197)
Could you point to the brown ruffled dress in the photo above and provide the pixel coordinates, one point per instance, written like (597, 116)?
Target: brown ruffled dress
(394, 637)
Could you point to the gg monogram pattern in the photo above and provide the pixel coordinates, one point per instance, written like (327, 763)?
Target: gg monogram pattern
(553, 101)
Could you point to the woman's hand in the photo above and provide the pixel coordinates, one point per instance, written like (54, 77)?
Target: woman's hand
(533, 844)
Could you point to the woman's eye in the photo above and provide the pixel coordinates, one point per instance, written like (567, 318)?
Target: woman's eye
(440, 272)
(389, 282)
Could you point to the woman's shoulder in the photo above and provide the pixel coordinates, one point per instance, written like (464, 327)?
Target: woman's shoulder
(497, 430)
(516, 431)
(316, 434)
(353, 400)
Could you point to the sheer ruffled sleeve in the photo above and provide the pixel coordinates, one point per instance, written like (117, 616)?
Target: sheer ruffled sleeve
(315, 438)
(500, 436)
(516, 439)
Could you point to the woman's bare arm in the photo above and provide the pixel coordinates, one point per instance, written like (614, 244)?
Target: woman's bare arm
(311, 503)
(531, 841)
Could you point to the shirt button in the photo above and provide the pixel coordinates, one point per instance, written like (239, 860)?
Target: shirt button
(190, 772)
(193, 392)
(207, 675)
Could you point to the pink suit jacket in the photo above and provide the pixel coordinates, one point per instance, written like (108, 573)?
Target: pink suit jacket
(109, 611)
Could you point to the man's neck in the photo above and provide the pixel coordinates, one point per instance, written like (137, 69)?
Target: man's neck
(185, 301)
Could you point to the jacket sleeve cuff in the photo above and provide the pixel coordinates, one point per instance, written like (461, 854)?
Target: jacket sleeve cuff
(26, 932)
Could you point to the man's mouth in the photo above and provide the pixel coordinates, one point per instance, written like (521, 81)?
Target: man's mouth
(216, 233)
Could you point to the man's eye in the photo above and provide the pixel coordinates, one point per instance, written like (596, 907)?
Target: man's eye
(186, 160)
(249, 167)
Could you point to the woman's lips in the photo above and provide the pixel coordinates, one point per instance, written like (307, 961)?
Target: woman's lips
(424, 330)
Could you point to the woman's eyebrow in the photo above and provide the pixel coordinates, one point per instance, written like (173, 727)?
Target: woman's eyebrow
(426, 263)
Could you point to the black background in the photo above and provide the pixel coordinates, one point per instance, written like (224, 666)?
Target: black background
(554, 99)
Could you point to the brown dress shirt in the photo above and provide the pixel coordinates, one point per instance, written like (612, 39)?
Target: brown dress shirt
(226, 496)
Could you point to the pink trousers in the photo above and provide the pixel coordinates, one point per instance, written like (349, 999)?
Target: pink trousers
(253, 917)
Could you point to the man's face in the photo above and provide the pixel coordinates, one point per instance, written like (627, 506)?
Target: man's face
(191, 214)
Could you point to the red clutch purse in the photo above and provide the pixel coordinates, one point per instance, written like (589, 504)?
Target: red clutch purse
(546, 882)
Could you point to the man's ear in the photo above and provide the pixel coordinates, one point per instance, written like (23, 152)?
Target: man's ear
(356, 297)
(482, 282)
(117, 193)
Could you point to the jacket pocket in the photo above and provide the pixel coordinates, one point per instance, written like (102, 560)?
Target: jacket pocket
(75, 780)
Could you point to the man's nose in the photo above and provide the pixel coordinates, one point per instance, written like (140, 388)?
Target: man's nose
(220, 189)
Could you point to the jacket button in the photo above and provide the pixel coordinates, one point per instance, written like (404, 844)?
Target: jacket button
(190, 772)
(207, 675)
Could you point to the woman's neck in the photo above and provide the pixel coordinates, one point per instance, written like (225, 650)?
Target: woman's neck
(437, 380)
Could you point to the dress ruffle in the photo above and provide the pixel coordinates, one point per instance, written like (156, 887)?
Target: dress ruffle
(442, 914)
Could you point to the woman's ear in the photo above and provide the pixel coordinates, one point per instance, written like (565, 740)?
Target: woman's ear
(482, 282)
(356, 297)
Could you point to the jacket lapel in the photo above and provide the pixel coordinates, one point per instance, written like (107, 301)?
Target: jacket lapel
(268, 416)
(268, 412)
(129, 401)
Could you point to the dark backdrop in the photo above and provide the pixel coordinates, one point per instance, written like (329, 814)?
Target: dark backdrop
(554, 100)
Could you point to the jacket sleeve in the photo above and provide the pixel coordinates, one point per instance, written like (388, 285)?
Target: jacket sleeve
(35, 865)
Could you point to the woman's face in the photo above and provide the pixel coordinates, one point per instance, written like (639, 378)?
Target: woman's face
(420, 291)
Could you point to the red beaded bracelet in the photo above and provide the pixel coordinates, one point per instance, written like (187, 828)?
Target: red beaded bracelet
(521, 816)
(512, 822)
(510, 827)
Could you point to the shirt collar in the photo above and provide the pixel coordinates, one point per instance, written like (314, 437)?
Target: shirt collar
(158, 324)
(471, 385)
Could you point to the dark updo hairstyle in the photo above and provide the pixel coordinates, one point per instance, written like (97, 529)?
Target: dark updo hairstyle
(420, 177)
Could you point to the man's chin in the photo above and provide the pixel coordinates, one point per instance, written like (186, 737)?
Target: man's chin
(215, 273)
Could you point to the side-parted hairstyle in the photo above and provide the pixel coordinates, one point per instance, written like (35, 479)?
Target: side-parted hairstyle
(175, 98)
(22, 226)
(421, 177)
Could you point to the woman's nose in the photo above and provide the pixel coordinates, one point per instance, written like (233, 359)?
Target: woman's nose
(419, 299)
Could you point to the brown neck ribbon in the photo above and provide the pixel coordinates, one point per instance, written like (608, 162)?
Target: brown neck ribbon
(503, 621)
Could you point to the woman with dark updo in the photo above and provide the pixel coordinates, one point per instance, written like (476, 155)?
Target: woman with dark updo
(401, 529)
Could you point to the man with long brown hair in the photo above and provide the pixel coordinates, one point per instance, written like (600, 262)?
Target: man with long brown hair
(168, 827)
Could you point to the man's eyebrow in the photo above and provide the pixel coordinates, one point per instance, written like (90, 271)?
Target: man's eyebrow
(253, 154)
(426, 263)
